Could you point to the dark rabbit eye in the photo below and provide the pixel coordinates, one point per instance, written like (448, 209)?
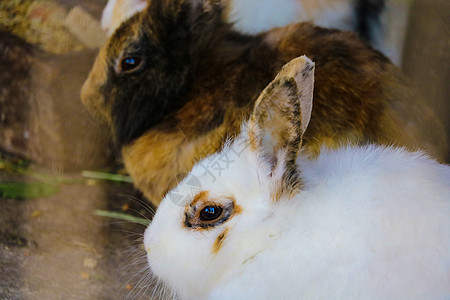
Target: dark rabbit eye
(129, 64)
(204, 214)
(210, 213)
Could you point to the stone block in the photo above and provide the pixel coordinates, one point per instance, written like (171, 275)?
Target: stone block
(41, 115)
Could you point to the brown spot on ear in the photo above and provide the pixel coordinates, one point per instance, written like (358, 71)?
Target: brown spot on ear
(286, 188)
(276, 125)
(279, 191)
(279, 120)
(253, 141)
(219, 241)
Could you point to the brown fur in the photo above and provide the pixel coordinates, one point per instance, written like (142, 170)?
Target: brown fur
(201, 196)
(172, 154)
(97, 78)
(219, 241)
(359, 95)
(237, 208)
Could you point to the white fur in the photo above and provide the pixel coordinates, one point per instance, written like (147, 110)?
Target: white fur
(107, 16)
(254, 16)
(117, 11)
(369, 223)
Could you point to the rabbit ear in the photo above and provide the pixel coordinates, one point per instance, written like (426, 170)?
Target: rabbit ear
(280, 117)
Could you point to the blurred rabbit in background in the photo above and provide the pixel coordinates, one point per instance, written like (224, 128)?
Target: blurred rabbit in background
(174, 81)
(382, 23)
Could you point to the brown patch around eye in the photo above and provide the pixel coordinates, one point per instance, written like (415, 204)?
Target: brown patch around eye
(237, 208)
(217, 212)
(201, 196)
(219, 241)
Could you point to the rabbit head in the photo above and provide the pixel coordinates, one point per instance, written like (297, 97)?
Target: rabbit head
(139, 76)
(157, 86)
(240, 184)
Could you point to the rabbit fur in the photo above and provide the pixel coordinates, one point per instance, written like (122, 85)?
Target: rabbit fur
(379, 23)
(358, 222)
(117, 11)
(174, 81)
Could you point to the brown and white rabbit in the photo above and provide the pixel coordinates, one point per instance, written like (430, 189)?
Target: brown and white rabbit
(358, 222)
(174, 81)
(382, 23)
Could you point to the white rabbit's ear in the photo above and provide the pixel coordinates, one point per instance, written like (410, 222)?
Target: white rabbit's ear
(280, 117)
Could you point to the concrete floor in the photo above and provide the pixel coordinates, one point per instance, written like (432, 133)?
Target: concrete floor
(56, 248)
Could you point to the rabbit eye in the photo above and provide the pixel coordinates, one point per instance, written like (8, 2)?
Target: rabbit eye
(130, 63)
(204, 214)
(210, 213)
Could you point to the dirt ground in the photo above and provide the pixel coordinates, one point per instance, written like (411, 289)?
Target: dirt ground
(56, 248)
(52, 244)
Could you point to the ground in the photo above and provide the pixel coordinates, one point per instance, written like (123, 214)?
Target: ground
(55, 247)
(52, 245)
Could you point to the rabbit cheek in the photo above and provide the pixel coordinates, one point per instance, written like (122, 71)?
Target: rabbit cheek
(91, 95)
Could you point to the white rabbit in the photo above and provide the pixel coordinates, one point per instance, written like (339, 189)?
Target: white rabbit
(251, 222)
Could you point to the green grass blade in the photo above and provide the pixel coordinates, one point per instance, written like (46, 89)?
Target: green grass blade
(106, 176)
(121, 216)
(30, 190)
